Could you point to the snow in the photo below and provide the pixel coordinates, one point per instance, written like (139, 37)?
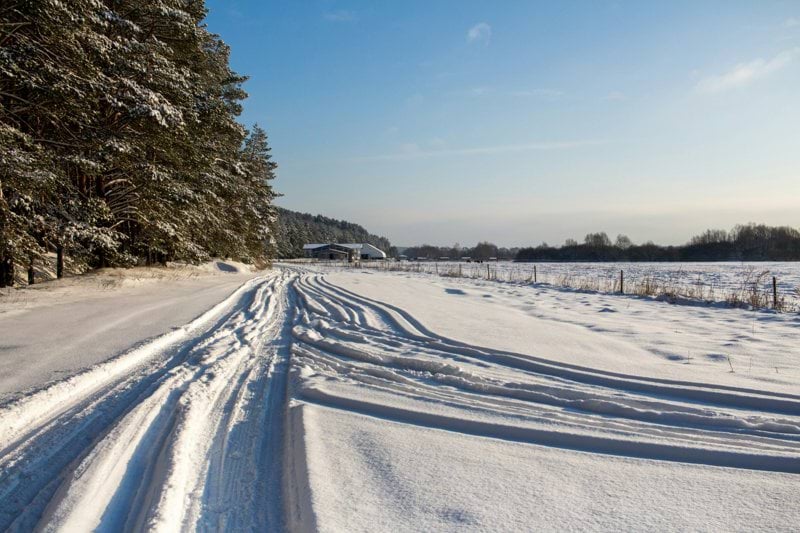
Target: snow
(721, 274)
(310, 398)
(53, 330)
(713, 281)
(444, 404)
(610, 332)
(403, 477)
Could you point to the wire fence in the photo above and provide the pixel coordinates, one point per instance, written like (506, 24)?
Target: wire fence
(754, 286)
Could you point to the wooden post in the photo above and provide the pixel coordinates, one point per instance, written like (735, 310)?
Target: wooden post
(534, 273)
(436, 264)
(487, 272)
(60, 261)
(621, 282)
(774, 292)
(31, 273)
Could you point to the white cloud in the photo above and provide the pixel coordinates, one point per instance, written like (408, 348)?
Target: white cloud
(616, 96)
(479, 91)
(479, 33)
(340, 16)
(409, 150)
(413, 150)
(415, 100)
(746, 73)
(539, 93)
(438, 143)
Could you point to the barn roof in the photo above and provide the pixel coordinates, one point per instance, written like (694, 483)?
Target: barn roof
(353, 246)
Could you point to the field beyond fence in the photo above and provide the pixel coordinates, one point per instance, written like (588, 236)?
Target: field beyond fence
(746, 285)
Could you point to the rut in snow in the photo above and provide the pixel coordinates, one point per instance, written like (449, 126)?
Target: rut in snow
(185, 432)
(389, 365)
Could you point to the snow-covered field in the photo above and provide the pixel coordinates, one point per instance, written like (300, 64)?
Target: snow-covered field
(711, 281)
(359, 400)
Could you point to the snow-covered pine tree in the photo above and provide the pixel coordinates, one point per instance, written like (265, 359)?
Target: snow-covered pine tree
(257, 209)
(118, 136)
(47, 85)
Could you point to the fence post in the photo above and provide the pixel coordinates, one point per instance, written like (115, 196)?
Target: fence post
(31, 274)
(487, 272)
(534, 273)
(774, 292)
(621, 282)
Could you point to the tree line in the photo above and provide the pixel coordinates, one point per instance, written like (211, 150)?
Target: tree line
(483, 251)
(119, 139)
(294, 229)
(745, 242)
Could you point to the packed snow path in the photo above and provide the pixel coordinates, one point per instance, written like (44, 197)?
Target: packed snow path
(183, 432)
(299, 404)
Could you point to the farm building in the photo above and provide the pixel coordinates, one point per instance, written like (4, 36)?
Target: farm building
(343, 252)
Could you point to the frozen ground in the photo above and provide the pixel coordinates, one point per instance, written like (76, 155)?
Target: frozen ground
(714, 281)
(724, 275)
(362, 401)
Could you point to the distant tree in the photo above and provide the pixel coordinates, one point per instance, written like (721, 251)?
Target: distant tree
(623, 242)
(711, 236)
(484, 250)
(597, 240)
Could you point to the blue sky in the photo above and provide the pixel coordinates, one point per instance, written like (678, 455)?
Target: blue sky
(520, 121)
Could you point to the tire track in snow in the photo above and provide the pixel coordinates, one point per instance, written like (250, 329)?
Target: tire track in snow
(749, 398)
(394, 361)
(161, 437)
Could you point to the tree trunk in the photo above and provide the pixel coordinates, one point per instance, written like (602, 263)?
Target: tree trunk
(6, 272)
(59, 262)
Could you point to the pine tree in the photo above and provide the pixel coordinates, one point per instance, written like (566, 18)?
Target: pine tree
(119, 139)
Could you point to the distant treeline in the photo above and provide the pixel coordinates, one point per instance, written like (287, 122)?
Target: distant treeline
(483, 251)
(748, 242)
(294, 229)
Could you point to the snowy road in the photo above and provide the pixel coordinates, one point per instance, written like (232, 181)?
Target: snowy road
(303, 402)
(168, 436)
(52, 332)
